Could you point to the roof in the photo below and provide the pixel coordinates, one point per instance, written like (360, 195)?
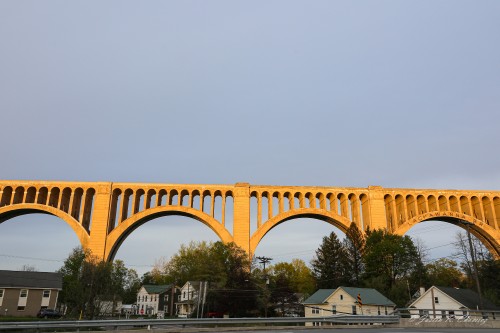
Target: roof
(467, 298)
(156, 289)
(23, 279)
(368, 296)
(319, 296)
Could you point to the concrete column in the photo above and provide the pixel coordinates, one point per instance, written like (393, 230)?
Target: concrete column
(100, 219)
(241, 216)
(377, 218)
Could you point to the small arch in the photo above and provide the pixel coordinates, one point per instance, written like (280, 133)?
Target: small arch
(162, 197)
(30, 195)
(88, 209)
(77, 203)
(390, 213)
(184, 198)
(150, 199)
(421, 204)
(6, 196)
(54, 197)
(195, 200)
(488, 211)
(454, 205)
(400, 209)
(433, 206)
(343, 209)
(465, 205)
(411, 206)
(18, 195)
(138, 201)
(476, 208)
(65, 199)
(173, 199)
(443, 203)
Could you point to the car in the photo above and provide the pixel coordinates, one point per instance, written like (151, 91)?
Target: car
(48, 313)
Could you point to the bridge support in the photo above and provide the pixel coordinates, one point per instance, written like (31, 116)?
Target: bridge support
(100, 220)
(241, 215)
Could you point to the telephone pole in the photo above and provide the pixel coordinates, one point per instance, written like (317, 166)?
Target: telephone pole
(264, 261)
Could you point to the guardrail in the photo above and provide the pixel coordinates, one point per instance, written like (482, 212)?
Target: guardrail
(40, 326)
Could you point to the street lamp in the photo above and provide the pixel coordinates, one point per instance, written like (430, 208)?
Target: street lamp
(474, 263)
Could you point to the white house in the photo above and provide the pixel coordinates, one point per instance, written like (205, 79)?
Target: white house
(189, 298)
(346, 300)
(448, 302)
(152, 299)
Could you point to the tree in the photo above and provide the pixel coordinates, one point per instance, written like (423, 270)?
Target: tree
(300, 276)
(225, 266)
(388, 260)
(88, 282)
(354, 245)
(445, 272)
(329, 264)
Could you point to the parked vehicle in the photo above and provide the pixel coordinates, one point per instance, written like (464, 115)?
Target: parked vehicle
(48, 313)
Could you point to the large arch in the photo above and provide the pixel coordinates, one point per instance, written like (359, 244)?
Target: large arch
(477, 227)
(8, 212)
(334, 219)
(124, 229)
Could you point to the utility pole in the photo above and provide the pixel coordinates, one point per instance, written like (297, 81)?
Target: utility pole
(264, 261)
(474, 262)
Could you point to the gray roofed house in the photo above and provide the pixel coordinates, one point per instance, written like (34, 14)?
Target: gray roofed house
(344, 300)
(23, 279)
(450, 302)
(24, 293)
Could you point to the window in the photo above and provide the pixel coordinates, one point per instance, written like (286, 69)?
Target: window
(334, 309)
(23, 293)
(46, 294)
(341, 297)
(21, 308)
(436, 300)
(443, 314)
(354, 309)
(315, 310)
(1, 293)
(451, 314)
(378, 310)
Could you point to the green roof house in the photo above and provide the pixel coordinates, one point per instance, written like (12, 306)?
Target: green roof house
(346, 300)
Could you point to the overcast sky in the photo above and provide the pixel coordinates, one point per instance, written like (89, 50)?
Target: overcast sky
(326, 93)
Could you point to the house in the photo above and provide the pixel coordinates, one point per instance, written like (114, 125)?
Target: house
(346, 300)
(448, 302)
(188, 300)
(25, 293)
(156, 299)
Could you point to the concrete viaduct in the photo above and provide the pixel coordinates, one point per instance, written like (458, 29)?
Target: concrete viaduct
(103, 214)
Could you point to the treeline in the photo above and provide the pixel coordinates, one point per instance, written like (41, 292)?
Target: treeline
(394, 265)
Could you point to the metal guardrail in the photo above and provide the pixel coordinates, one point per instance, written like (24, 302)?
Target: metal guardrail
(39, 326)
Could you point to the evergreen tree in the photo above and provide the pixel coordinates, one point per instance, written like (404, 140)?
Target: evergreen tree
(354, 245)
(329, 263)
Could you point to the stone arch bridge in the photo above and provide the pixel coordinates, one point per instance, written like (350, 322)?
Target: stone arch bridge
(103, 214)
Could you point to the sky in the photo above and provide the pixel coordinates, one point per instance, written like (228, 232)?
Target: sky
(402, 94)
